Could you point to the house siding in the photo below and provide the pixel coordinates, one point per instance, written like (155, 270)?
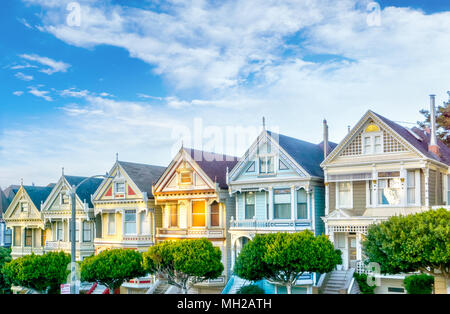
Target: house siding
(319, 202)
(432, 187)
(332, 196)
(359, 197)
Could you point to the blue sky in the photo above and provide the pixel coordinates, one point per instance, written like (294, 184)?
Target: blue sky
(135, 77)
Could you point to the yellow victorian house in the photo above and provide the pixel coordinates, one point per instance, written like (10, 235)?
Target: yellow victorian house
(57, 211)
(124, 211)
(24, 218)
(195, 203)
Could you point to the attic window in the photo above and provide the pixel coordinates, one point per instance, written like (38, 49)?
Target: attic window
(266, 165)
(185, 177)
(64, 198)
(120, 187)
(372, 128)
(23, 206)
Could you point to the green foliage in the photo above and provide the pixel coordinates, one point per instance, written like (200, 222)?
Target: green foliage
(5, 257)
(43, 273)
(112, 267)
(410, 243)
(185, 262)
(250, 289)
(364, 287)
(419, 284)
(284, 257)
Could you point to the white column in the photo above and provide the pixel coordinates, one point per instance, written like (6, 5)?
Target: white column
(404, 186)
(358, 246)
(427, 176)
(270, 203)
(293, 215)
(327, 193)
(374, 186)
(418, 188)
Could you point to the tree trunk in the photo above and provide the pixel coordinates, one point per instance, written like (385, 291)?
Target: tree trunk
(289, 289)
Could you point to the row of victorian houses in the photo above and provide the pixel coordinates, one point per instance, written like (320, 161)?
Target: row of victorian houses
(280, 184)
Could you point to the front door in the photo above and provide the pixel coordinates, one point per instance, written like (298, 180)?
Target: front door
(352, 251)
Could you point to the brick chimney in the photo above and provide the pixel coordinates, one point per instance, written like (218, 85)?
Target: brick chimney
(433, 147)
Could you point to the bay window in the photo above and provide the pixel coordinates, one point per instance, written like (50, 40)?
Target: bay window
(411, 187)
(86, 231)
(28, 237)
(198, 214)
(344, 194)
(389, 191)
(215, 214)
(111, 223)
(144, 223)
(130, 221)
(302, 212)
(282, 204)
(173, 212)
(249, 205)
(59, 231)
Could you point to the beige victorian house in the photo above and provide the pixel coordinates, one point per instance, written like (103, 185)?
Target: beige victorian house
(381, 169)
(24, 218)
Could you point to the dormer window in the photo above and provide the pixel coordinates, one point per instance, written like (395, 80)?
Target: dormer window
(372, 140)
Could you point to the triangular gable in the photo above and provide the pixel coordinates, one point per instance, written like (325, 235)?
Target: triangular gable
(53, 199)
(183, 162)
(352, 144)
(263, 139)
(14, 210)
(106, 190)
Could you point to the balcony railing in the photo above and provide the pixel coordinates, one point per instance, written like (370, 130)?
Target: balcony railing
(26, 250)
(191, 233)
(66, 246)
(282, 224)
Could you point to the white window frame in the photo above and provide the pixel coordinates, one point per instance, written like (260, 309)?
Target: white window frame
(413, 171)
(338, 205)
(245, 205)
(145, 221)
(24, 206)
(372, 136)
(379, 204)
(89, 224)
(115, 187)
(124, 222)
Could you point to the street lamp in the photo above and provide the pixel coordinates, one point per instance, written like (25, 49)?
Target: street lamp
(72, 192)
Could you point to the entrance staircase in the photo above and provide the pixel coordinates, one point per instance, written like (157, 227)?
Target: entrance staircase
(339, 282)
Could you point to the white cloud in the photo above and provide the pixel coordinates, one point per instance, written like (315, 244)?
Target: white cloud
(53, 66)
(39, 93)
(71, 92)
(18, 93)
(23, 77)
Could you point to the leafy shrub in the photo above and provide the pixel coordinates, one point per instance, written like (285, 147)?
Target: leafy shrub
(419, 284)
(250, 289)
(361, 279)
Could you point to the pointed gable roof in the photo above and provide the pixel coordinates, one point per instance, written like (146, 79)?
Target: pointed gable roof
(214, 165)
(306, 154)
(85, 190)
(37, 194)
(143, 175)
(10, 192)
(420, 145)
(3, 202)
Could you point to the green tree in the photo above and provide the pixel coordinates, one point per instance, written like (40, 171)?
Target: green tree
(5, 257)
(442, 121)
(250, 289)
(419, 242)
(184, 263)
(42, 273)
(419, 284)
(112, 267)
(284, 257)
